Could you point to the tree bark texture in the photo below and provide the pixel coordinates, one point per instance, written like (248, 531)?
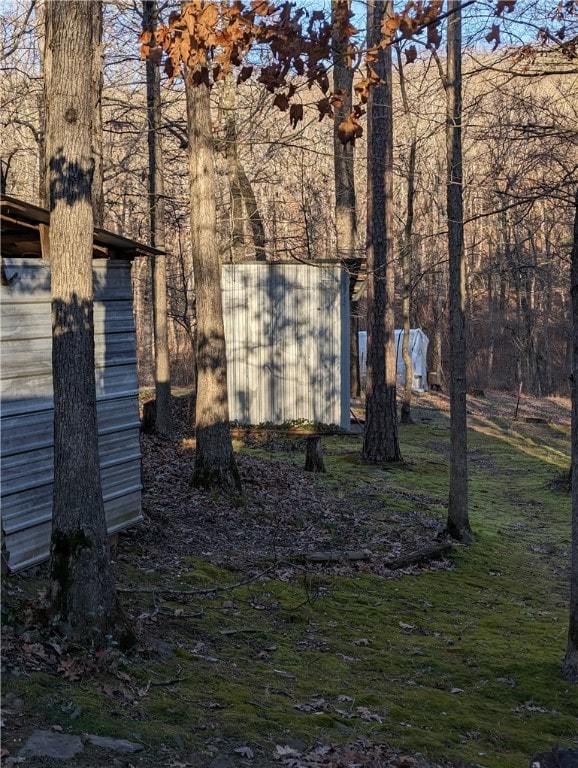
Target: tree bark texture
(215, 465)
(163, 423)
(406, 262)
(570, 663)
(97, 79)
(380, 439)
(407, 246)
(458, 526)
(314, 455)
(84, 595)
(343, 165)
(243, 200)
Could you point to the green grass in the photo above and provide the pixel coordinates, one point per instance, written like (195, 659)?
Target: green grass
(462, 665)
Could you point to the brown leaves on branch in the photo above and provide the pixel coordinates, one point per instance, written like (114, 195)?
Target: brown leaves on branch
(494, 36)
(208, 39)
(350, 129)
(560, 38)
(505, 5)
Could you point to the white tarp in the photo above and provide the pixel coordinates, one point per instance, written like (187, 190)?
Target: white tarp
(418, 344)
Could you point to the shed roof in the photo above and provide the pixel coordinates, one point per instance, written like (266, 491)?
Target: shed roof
(24, 229)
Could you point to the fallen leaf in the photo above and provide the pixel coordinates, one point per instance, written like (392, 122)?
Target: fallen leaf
(285, 751)
(245, 751)
(365, 714)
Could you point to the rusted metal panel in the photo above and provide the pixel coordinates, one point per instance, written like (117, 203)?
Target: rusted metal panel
(287, 337)
(26, 409)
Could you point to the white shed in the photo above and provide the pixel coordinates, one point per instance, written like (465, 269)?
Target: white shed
(287, 337)
(418, 344)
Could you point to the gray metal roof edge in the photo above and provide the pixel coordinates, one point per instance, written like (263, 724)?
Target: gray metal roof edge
(284, 262)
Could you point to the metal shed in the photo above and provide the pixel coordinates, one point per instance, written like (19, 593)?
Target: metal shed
(26, 405)
(287, 338)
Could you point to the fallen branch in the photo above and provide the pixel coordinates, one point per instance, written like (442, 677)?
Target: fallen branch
(336, 557)
(432, 552)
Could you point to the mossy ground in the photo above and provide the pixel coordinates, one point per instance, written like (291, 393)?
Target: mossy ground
(461, 664)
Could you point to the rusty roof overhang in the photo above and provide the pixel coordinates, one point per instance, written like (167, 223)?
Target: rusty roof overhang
(24, 229)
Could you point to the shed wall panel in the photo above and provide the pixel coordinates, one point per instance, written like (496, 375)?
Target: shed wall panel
(26, 410)
(286, 329)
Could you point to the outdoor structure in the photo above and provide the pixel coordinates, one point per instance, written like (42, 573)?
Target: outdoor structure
(418, 344)
(26, 407)
(287, 337)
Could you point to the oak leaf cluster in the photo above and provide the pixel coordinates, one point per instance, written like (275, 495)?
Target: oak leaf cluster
(207, 40)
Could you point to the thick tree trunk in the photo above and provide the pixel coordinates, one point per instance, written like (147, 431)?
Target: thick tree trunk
(380, 440)
(458, 526)
(343, 164)
(570, 664)
(163, 423)
(215, 465)
(84, 596)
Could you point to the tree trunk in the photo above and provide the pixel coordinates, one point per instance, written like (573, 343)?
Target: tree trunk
(314, 455)
(343, 164)
(570, 663)
(84, 596)
(163, 423)
(243, 200)
(458, 526)
(96, 87)
(215, 465)
(407, 248)
(406, 261)
(380, 439)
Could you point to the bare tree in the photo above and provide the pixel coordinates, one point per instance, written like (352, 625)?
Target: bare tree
(407, 247)
(458, 525)
(570, 664)
(158, 238)
(380, 440)
(84, 595)
(215, 465)
(343, 165)
(243, 201)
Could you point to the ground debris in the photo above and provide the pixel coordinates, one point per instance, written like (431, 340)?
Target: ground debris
(359, 754)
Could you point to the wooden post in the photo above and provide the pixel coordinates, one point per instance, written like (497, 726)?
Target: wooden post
(314, 456)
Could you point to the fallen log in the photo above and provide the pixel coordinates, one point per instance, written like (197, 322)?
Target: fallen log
(431, 552)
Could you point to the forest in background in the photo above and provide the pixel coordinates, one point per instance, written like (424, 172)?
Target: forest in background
(276, 192)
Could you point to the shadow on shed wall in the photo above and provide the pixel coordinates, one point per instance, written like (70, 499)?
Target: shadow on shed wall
(287, 329)
(26, 410)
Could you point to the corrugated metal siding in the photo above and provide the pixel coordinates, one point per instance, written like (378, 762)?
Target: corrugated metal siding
(26, 409)
(287, 336)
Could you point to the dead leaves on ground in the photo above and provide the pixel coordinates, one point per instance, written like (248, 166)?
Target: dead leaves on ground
(319, 705)
(359, 754)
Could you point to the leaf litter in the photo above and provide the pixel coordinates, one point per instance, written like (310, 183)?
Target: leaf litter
(285, 514)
